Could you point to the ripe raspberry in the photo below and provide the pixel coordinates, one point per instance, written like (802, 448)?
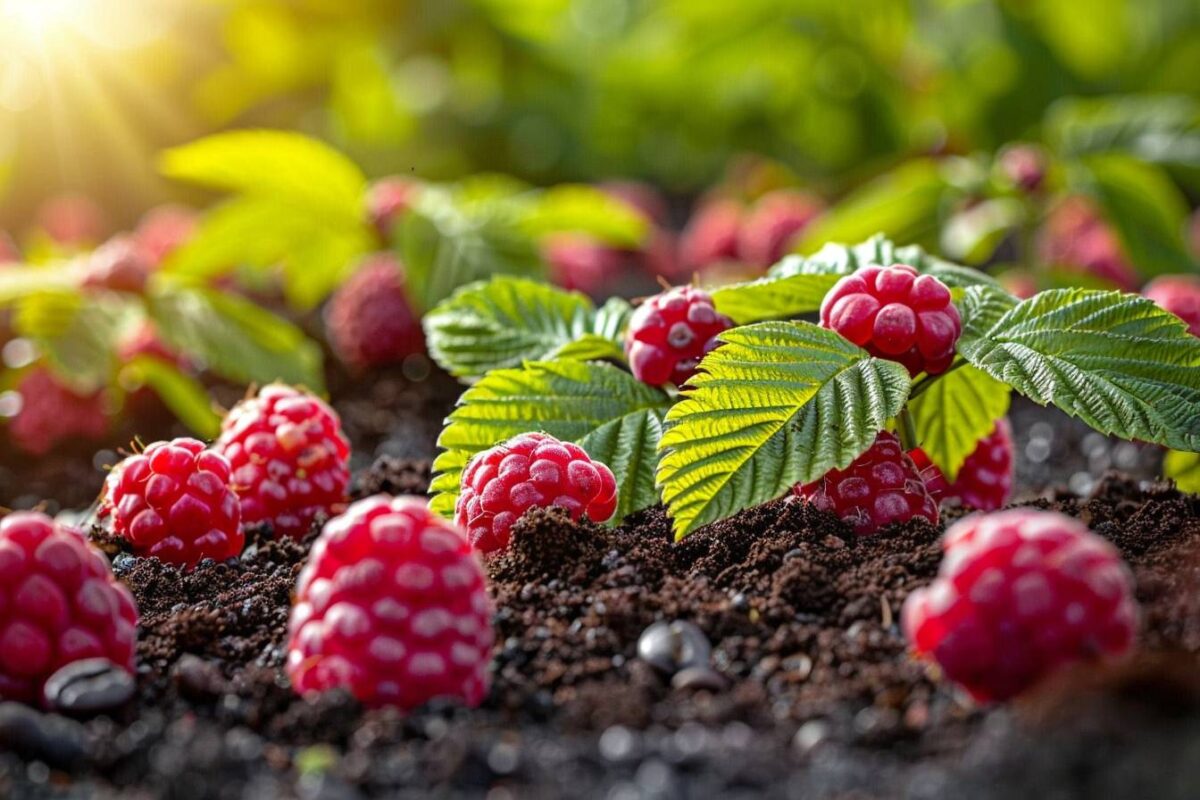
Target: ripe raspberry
(670, 333)
(897, 314)
(164, 230)
(580, 263)
(290, 459)
(1023, 166)
(1019, 594)
(774, 223)
(51, 414)
(391, 605)
(985, 479)
(59, 603)
(118, 265)
(1179, 294)
(1075, 236)
(711, 235)
(9, 252)
(387, 200)
(881, 487)
(532, 470)
(174, 502)
(369, 320)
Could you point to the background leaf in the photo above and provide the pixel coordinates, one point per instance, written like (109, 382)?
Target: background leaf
(1183, 468)
(612, 415)
(585, 209)
(77, 338)
(954, 412)
(185, 396)
(1116, 361)
(1162, 129)
(777, 404)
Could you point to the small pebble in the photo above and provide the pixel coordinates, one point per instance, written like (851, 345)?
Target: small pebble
(672, 646)
(88, 687)
(33, 736)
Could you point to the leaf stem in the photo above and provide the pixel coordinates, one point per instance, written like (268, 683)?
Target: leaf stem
(922, 385)
(907, 429)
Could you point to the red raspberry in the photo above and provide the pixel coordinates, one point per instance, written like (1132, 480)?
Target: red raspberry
(72, 220)
(118, 265)
(774, 223)
(670, 333)
(50, 414)
(1179, 294)
(532, 470)
(985, 479)
(1020, 593)
(881, 487)
(59, 603)
(1075, 236)
(164, 230)
(369, 320)
(393, 606)
(897, 314)
(290, 459)
(711, 234)
(580, 263)
(9, 252)
(174, 502)
(1023, 166)
(387, 200)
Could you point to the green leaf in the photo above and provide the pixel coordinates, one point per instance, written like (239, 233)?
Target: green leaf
(1163, 129)
(288, 168)
(779, 403)
(505, 321)
(973, 234)
(610, 414)
(186, 397)
(980, 308)
(954, 412)
(773, 298)
(20, 282)
(612, 319)
(234, 337)
(1116, 361)
(585, 209)
(840, 259)
(77, 337)
(1183, 468)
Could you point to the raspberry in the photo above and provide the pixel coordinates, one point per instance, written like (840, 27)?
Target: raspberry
(118, 265)
(1023, 166)
(387, 200)
(290, 459)
(369, 320)
(9, 252)
(50, 414)
(581, 263)
(881, 487)
(711, 234)
(1179, 294)
(59, 603)
(532, 470)
(897, 314)
(1019, 594)
(393, 606)
(985, 479)
(670, 333)
(164, 230)
(72, 220)
(774, 223)
(174, 502)
(1075, 236)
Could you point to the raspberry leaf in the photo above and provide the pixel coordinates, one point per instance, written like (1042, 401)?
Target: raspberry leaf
(955, 411)
(980, 308)
(779, 403)
(1116, 361)
(1183, 468)
(773, 298)
(186, 397)
(77, 336)
(608, 413)
(503, 322)
(585, 209)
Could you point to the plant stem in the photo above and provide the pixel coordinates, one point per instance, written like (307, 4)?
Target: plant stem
(907, 429)
(922, 385)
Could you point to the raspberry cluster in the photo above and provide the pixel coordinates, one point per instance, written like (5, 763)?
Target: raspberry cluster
(774, 223)
(1179, 294)
(897, 314)
(387, 200)
(51, 414)
(290, 460)
(1019, 594)
(164, 230)
(391, 605)
(369, 320)
(984, 481)
(59, 603)
(119, 265)
(1076, 236)
(670, 333)
(532, 470)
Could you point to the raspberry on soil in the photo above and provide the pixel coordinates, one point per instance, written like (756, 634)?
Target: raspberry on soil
(1019, 594)
(532, 470)
(896, 314)
(369, 320)
(670, 333)
(392, 605)
(51, 414)
(290, 459)
(984, 481)
(881, 487)
(1179, 294)
(174, 502)
(59, 603)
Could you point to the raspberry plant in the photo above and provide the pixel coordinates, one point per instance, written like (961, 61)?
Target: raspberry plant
(782, 401)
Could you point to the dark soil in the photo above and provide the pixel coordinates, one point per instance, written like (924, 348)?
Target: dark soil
(817, 698)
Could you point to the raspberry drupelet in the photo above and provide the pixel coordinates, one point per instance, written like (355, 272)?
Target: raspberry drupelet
(1019, 594)
(984, 481)
(670, 333)
(896, 314)
(532, 470)
(391, 605)
(59, 603)
(290, 459)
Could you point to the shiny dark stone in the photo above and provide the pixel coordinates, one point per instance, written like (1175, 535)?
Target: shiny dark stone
(672, 646)
(88, 687)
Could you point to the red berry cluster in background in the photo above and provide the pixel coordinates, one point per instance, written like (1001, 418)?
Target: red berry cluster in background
(532, 470)
(670, 333)
(387, 200)
(59, 603)
(369, 320)
(1075, 236)
(984, 481)
(9, 252)
(119, 265)
(163, 230)
(881, 487)
(391, 605)
(1179, 294)
(51, 414)
(759, 235)
(174, 502)
(1019, 594)
(896, 314)
(290, 460)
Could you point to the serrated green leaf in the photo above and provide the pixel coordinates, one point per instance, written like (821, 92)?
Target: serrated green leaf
(841, 259)
(612, 319)
(1116, 361)
(590, 347)
(980, 308)
(1183, 468)
(953, 412)
(779, 403)
(773, 298)
(182, 394)
(594, 405)
(585, 209)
